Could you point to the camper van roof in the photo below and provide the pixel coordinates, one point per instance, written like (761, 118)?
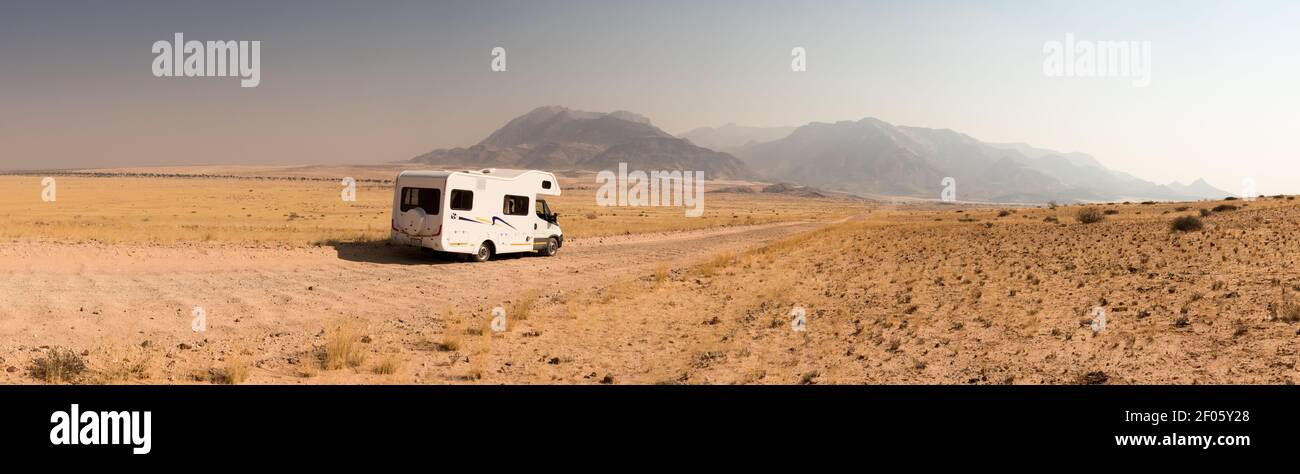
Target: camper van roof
(493, 172)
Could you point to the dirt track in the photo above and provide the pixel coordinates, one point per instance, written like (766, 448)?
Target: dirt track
(272, 303)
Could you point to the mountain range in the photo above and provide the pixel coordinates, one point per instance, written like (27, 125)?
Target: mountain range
(871, 156)
(867, 156)
(558, 138)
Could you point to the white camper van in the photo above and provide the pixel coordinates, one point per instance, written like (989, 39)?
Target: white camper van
(480, 213)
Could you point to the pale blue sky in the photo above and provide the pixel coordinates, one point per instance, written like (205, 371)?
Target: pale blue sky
(354, 82)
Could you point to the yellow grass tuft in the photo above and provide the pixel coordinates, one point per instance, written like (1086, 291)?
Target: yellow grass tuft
(388, 365)
(116, 364)
(236, 368)
(343, 345)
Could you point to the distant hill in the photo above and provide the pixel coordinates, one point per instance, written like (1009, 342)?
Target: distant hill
(731, 136)
(558, 138)
(874, 157)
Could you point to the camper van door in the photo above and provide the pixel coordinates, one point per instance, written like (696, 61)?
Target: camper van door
(516, 220)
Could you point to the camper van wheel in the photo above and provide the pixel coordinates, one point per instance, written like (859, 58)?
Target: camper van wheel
(552, 246)
(484, 252)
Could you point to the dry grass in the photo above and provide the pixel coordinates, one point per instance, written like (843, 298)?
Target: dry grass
(164, 211)
(170, 210)
(451, 332)
(901, 297)
(58, 365)
(711, 267)
(524, 306)
(1288, 311)
(661, 273)
(235, 370)
(388, 365)
(343, 345)
(116, 364)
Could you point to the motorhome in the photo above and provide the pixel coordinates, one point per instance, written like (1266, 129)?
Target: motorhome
(478, 213)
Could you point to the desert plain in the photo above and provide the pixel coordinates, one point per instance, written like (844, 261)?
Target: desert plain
(297, 286)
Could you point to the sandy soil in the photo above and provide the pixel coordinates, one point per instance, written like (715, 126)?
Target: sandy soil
(272, 305)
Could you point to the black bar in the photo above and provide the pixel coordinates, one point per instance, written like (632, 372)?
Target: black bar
(401, 421)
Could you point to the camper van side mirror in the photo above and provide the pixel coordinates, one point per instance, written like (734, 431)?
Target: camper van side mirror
(553, 217)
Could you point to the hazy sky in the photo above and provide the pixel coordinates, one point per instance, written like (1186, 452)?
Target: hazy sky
(365, 82)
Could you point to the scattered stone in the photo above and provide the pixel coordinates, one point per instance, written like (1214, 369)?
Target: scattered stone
(1095, 377)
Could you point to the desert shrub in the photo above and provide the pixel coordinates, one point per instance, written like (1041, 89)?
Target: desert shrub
(1205, 213)
(1186, 224)
(1288, 311)
(1110, 212)
(58, 365)
(1182, 208)
(1088, 215)
(1004, 213)
(1225, 208)
(236, 369)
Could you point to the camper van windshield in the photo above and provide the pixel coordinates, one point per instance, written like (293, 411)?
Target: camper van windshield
(423, 198)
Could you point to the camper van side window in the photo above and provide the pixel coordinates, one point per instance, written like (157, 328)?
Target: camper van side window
(515, 206)
(546, 184)
(462, 200)
(423, 198)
